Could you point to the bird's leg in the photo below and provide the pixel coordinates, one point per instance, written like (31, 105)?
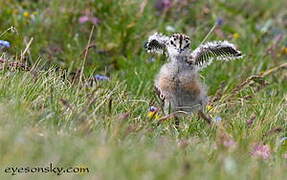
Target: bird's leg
(176, 122)
(207, 118)
(160, 98)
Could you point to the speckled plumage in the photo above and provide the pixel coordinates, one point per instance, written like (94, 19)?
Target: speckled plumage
(178, 83)
(180, 87)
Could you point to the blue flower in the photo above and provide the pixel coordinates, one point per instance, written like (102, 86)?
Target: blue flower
(217, 119)
(153, 109)
(99, 77)
(4, 44)
(219, 21)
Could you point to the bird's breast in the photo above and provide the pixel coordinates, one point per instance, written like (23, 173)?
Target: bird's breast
(180, 82)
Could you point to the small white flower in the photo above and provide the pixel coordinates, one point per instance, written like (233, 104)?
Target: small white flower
(170, 28)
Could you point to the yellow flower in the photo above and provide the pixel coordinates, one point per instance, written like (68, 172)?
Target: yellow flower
(26, 14)
(153, 113)
(208, 107)
(235, 35)
(284, 50)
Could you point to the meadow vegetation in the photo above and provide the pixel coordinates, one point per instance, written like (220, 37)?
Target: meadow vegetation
(76, 86)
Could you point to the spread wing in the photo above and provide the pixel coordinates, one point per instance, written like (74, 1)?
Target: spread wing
(216, 50)
(156, 43)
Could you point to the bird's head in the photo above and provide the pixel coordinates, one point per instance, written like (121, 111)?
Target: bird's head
(178, 44)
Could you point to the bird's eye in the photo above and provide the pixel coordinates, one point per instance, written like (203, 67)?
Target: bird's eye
(172, 43)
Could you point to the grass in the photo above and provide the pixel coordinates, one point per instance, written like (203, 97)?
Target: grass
(49, 117)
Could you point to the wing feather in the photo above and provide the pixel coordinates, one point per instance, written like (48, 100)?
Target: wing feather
(217, 50)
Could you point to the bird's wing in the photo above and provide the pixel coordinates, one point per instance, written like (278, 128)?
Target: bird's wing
(216, 50)
(156, 43)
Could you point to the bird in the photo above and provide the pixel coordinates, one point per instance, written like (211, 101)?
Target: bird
(178, 82)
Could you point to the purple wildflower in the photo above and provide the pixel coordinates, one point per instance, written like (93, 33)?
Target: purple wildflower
(261, 151)
(4, 44)
(94, 20)
(83, 19)
(99, 77)
(229, 143)
(163, 5)
(86, 18)
(219, 21)
(226, 140)
(153, 109)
